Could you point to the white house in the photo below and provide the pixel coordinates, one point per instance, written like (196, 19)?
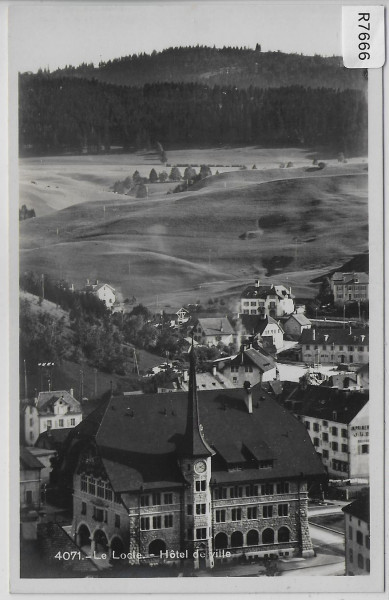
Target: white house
(295, 325)
(255, 366)
(266, 331)
(331, 346)
(338, 424)
(357, 536)
(103, 291)
(213, 331)
(266, 300)
(349, 287)
(50, 410)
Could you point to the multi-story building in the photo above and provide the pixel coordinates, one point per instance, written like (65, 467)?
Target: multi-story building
(295, 325)
(266, 300)
(338, 424)
(104, 292)
(192, 477)
(30, 480)
(357, 536)
(266, 331)
(350, 287)
(250, 364)
(50, 410)
(335, 346)
(212, 331)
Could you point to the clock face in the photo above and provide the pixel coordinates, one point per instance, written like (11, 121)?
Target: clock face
(200, 466)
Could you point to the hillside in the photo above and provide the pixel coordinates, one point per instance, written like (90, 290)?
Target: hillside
(171, 244)
(240, 67)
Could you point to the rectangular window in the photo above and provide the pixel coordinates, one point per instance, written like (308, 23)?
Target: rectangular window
(84, 483)
(145, 500)
(350, 348)
(368, 565)
(236, 514)
(168, 498)
(334, 430)
(307, 347)
(252, 512)
(157, 522)
(360, 348)
(283, 487)
(344, 448)
(367, 541)
(201, 509)
(340, 347)
(144, 523)
(325, 454)
(108, 493)
(283, 510)
(168, 521)
(117, 521)
(92, 486)
(334, 446)
(325, 437)
(220, 493)
(99, 514)
(324, 347)
(307, 425)
(200, 485)
(344, 433)
(49, 423)
(267, 511)
(325, 423)
(117, 498)
(248, 369)
(220, 516)
(156, 499)
(83, 508)
(316, 442)
(189, 509)
(100, 489)
(251, 490)
(267, 489)
(72, 422)
(31, 422)
(60, 423)
(316, 427)
(201, 533)
(359, 538)
(236, 492)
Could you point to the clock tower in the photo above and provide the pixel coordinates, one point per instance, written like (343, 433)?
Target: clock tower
(195, 462)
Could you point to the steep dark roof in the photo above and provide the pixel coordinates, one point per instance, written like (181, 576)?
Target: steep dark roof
(255, 324)
(359, 337)
(327, 403)
(52, 439)
(139, 438)
(300, 318)
(262, 360)
(28, 461)
(216, 326)
(346, 278)
(261, 291)
(360, 508)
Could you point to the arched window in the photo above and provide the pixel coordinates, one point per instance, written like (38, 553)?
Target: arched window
(283, 534)
(268, 536)
(253, 537)
(360, 561)
(156, 547)
(237, 539)
(221, 541)
(101, 541)
(83, 536)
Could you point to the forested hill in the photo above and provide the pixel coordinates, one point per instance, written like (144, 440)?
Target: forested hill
(241, 67)
(73, 115)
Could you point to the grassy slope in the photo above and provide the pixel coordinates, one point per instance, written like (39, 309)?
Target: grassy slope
(166, 245)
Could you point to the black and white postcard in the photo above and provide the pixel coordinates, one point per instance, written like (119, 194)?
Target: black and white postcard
(196, 249)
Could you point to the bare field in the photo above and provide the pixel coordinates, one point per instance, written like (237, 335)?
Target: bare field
(286, 225)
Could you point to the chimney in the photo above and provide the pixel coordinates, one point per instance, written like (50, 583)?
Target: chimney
(314, 334)
(326, 337)
(87, 281)
(221, 326)
(249, 397)
(350, 330)
(257, 283)
(185, 375)
(362, 338)
(214, 370)
(71, 391)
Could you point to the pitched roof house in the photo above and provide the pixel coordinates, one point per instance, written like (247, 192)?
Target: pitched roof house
(295, 325)
(197, 472)
(250, 364)
(271, 300)
(357, 528)
(344, 346)
(349, 287)
(212, 331)
(265, 330)
(51, 410)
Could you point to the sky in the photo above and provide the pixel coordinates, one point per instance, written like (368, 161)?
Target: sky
(67, 33)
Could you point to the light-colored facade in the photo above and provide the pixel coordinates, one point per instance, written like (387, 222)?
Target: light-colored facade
(272, 301)
(249, 365)
(344, 447)
(30, 480)
(350, 287)
(51, 410)
(357, 537)
(213, 331)
(335, 346)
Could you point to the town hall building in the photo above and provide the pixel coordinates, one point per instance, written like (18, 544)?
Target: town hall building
(209, 475)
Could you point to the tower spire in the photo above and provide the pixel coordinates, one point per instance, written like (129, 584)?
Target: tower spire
(194, 442)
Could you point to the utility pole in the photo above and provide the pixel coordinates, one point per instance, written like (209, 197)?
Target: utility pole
(81, 384)
(43, 286)
(136, 367)
(344, 315)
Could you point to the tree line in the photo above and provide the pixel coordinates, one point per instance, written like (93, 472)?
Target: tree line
(74, 115)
